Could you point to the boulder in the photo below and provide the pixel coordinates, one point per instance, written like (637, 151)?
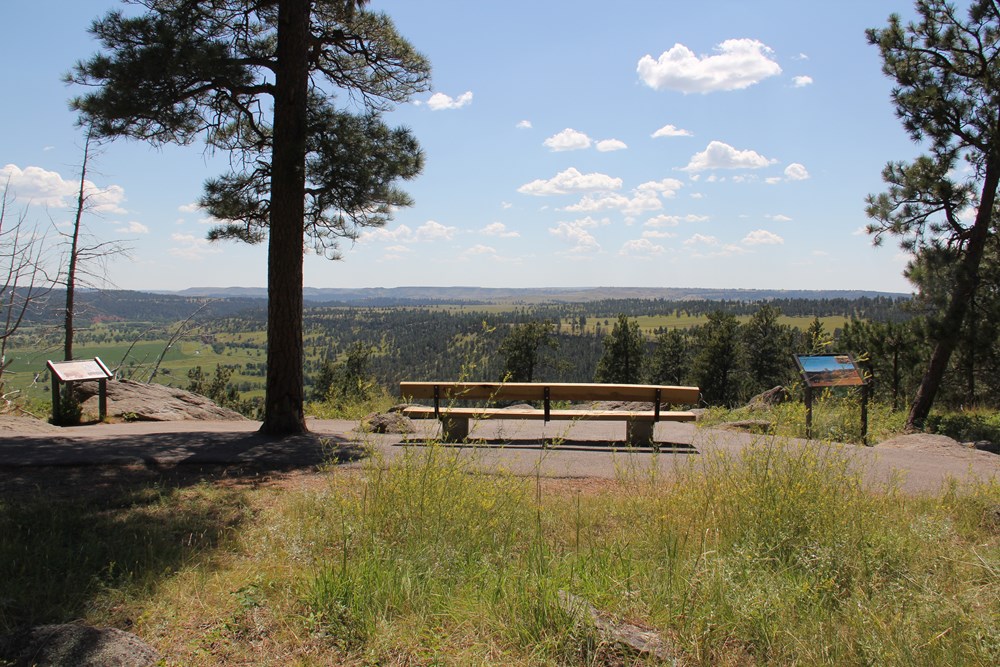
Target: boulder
(78, 645)
(138, 401)
(386, 422)
(768, 399)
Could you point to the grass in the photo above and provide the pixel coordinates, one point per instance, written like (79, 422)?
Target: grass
(777, 556)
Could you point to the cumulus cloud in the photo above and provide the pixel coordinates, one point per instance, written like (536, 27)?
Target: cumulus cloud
(39, 186)
(569, 181)
(400, 234)
(192, 247)
(668, 187)
(640, 248)
(671, 131)
(719, 155)
(435, 231)
(701, 239)
(193, 207)
(608, 145)
(762, 237)
(779, 218)
(642, 202)
(581, 241)
(498, 229)
(133, 227)
(673, 220)
(567, 140)
(524, 125)
(737, 64)
(796, 172)
(441, 102)
(478, 250)
(801, 81)
(657, 234)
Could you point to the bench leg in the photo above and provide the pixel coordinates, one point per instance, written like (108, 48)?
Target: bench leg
(640, 432)
(454, 429)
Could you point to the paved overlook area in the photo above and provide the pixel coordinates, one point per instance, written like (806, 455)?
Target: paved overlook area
(920, 463)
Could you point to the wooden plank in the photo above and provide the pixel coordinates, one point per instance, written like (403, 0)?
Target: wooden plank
(423, 412)
(560, 391)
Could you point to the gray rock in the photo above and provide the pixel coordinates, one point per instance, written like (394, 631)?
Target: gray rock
(387, 422)
(77, 645)
(768, 399)
(153, 402)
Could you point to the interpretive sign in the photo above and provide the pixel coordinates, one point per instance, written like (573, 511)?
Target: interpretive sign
(78, 371)
(830, 371)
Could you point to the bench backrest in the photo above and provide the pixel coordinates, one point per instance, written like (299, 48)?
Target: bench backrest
(536, 391)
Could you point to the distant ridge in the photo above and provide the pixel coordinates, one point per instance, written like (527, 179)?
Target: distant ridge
(530, 295)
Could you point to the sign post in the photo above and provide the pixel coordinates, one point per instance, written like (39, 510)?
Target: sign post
(67, 372)
(832, 370)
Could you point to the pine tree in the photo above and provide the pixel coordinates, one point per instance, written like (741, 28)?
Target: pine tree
(624, 349)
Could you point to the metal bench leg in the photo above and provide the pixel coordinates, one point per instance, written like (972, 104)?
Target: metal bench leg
(454, 429)
(640, 432)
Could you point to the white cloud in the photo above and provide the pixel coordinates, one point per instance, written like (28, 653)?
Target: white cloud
(642, 202)
(668, 187)
(440, 101)
(401, 234)
(524, 125)
(133, 227)
(192, 247)
(193, 207)
(590, 223)
(701, 239)
(779, 218)
(398, 249)
(641, 248)
(719, 155)
(796, 172)
(479, 249)
(762, 237)
(738, 63)
(435, 231)
(801, 81)
(567, 140)
(581, 240)
(696, 195)
(673, 220)
(657, 234)
(48, 188)
(570, 181)
(608, 145)
(498, 229)
(671, 131)
(505, 204)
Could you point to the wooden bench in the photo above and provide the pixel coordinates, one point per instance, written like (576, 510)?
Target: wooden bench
(455, 420)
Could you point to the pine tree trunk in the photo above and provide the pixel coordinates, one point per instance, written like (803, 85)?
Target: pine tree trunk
(74, 256)
(966, 278)
(283, 403)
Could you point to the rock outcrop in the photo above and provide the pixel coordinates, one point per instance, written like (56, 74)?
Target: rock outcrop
(79, 645)
(138, 401)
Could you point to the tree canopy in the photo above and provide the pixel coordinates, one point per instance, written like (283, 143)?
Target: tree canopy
(293, 91)
(946, 70)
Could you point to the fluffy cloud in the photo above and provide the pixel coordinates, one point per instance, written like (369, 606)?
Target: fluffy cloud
(435, 231)
(133, 227)
(498, 229)
(401, 234)
(723, 156)
(642, 202)
(701, 239)
(39, 186)
(440, 101)
(796, 172)
(567, 140)
(192, 247)
(657, 234)
(641, 248)
(478, 250)
(668, 187)
(670, 131)
(524, 125)
(762, 237)
(673, 220)
(580, 240)
(737, 64)
(801, 81)
(189, 208)
(570, 181)
(778, 218)
(608, 145)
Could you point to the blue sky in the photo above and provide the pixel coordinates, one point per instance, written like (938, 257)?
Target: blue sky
(662, 144)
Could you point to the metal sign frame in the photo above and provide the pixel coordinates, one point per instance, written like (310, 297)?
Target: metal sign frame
(832, 370)
(80, 370)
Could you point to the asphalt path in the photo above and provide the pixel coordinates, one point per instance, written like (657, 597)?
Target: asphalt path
(555, 449)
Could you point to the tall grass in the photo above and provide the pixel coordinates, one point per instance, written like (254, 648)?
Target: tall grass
(777, 556)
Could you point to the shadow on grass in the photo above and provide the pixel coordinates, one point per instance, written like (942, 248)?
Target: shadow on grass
(75, 538)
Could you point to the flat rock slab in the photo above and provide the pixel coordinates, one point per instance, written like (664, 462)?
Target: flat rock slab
(78, 645)
(139, 401)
